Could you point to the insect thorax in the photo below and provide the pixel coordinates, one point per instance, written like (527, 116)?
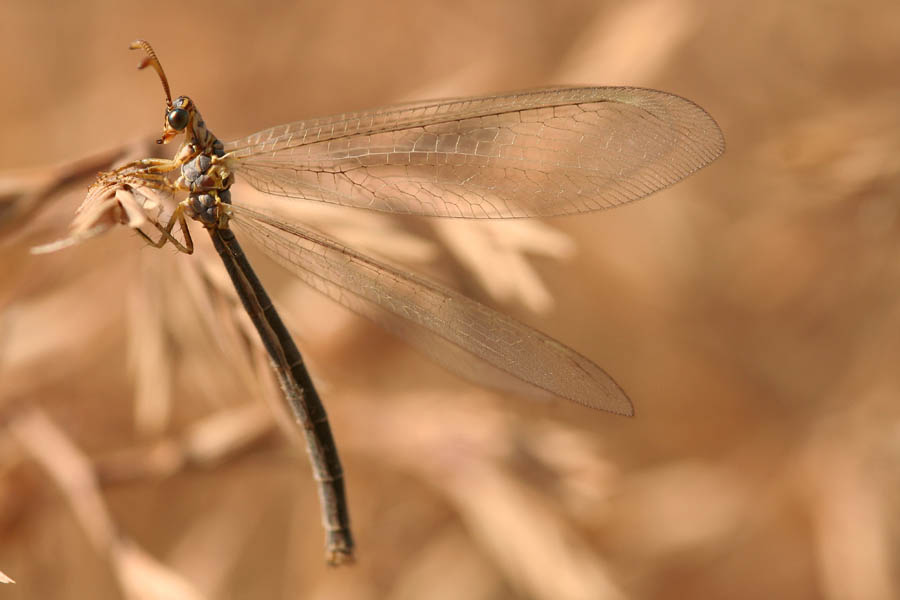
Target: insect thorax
(207, 180)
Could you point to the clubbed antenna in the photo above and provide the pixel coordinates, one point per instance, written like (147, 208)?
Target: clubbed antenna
(151, 59)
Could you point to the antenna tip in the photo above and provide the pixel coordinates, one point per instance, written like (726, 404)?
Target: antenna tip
(151, 60)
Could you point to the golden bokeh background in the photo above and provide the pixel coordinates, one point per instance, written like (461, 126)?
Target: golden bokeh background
(752, 314)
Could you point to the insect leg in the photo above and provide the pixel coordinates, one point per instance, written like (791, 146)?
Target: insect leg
(166, 232)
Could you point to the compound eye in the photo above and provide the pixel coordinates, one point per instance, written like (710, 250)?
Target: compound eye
(178, 118)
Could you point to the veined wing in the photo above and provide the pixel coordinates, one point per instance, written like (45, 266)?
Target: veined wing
(535, 153)
(467, 337)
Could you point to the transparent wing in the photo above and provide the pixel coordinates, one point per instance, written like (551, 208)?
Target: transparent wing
(536, 153)
(467, 337)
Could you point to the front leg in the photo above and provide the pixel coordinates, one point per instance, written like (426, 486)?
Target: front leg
(148, 166)
(177, 217)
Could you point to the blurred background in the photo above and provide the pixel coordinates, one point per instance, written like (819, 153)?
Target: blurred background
(752, 314)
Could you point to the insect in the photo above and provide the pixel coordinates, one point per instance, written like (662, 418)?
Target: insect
(538, 153)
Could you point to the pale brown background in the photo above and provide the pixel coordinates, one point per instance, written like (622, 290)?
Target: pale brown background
(752, 313)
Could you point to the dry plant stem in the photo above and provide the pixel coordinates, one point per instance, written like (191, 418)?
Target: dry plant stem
(30, 202)
(140, 576)
(70, 470)
(217, 438)
(300, 394)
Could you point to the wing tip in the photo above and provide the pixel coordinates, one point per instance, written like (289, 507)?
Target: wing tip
(620, 406)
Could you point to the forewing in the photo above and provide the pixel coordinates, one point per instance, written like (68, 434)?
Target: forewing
(536, 153)
(467, 337)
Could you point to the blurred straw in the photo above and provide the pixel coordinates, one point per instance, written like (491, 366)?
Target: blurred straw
(631, 45)
(206, 443)
(851, 522)
(140, 575)
(469, 454)
(494, 253)
(449, 568)
(528, 539)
